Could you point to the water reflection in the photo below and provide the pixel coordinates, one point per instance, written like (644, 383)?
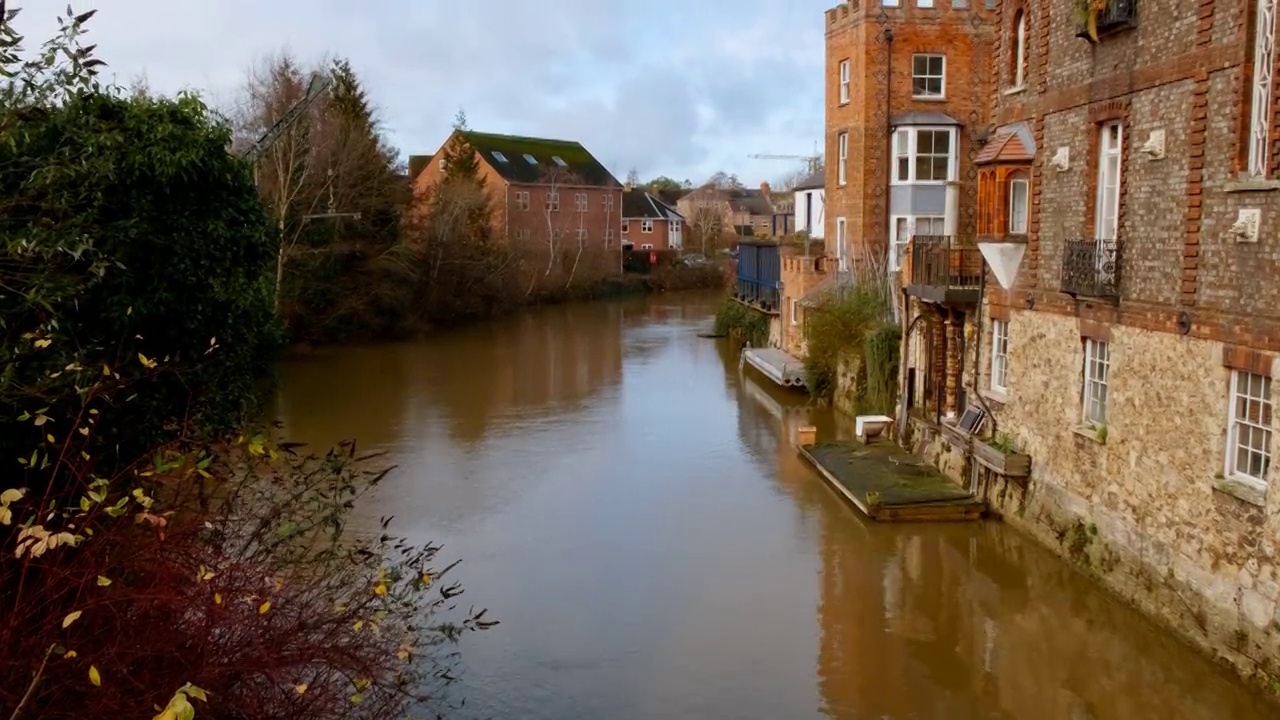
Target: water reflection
(630, 506)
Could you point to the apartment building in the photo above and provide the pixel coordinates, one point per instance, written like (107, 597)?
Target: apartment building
(1114, 395)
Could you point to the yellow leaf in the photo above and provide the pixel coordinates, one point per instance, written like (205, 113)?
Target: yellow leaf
(49, 438)
(94, 676)
(43, 343)
(426, 579)
(358, 625)
(11, 495)
(106, 370)
(103, 581)
(84, 431)
(146, 362)
(206, 574)
(362, 683)
(70, 618)
(217, 598)
(264, 607)
(405, 652)
(40, 420)
(380, 589)
(300, 688)
(355, 699)
(70, 654)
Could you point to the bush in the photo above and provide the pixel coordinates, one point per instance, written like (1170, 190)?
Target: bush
(129, 232)
(854, 325)
(742, 324)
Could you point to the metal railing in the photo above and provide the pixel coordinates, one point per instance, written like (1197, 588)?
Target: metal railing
(945, 261)
(1091, 267)
(1118, 14)
(762, 294)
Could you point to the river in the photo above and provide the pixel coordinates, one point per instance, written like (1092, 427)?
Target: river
(628, 506)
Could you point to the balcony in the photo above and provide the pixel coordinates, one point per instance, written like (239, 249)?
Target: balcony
(1115, 16)
(945, 270)
(1091, 268)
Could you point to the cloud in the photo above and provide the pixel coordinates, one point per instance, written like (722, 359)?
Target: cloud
(681, 89)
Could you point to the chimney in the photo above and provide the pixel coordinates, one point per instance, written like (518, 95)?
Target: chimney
(627, 186)
(764, 190)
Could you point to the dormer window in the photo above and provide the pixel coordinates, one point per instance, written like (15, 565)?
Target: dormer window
(499, 156)
(558, 161)
(532, 160)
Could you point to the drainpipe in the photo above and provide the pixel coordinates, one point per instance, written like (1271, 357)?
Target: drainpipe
(888, 157)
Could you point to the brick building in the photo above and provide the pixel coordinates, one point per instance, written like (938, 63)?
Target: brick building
(649, 223)
(547, 195)
(1127, 200)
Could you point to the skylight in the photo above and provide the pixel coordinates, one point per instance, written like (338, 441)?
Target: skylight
(532, 160)
(559, 162)
(499, 156)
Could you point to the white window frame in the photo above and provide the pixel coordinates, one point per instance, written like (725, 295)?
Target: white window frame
(1097, 370)
(795, 311)
(580, 202)
(905, 141)
(902, 228)
(646, 246)
(1020, 50)
(1018, 221)
(1245, 434)
(842, 241)
(522, 199)
(608, 237)
(845, 74)
(530, 159)
(941, 78)
(553, 201)
(646, 226)
(842, 168)
(1110, 157)
(558, 161)
(1000, 355)
(1264, 49)
(889, 3)
(497, 155)
(582, 235)
(924, 3)
(608, 202)
(626, 226)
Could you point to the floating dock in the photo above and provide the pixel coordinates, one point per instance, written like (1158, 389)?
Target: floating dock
(888, 484)
(776, 365)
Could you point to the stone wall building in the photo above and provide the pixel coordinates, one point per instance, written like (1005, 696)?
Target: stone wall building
(1132, 179)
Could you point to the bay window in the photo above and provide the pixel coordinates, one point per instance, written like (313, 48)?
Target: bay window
(924, 154)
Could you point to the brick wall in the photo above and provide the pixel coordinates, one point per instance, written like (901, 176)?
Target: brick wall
(659, 238)
(856, 34)
(540, 224)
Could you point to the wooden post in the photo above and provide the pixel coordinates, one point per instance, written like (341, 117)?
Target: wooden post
(806, 435)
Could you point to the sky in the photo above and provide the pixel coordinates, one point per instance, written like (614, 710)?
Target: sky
(681, 89)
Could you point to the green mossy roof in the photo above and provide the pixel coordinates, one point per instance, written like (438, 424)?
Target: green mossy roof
(578, 161)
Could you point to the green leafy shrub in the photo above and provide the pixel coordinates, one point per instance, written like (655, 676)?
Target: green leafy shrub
(854, 324)
(741, 323)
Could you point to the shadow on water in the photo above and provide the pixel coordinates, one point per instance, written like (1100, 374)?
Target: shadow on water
(631, 508)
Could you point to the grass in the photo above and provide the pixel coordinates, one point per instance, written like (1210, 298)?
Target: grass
(740, 323)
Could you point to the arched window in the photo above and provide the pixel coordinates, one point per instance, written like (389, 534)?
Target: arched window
(1019, 203)
(1018, 58)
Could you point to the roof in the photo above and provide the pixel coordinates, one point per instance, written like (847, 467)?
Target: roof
(752, 202)
(1011, 144)
(512, 153)
(642, 204)
(929, 117)
(418, 163)
(815, 181)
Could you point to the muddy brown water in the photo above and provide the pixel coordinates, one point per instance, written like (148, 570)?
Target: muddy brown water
(627, 504)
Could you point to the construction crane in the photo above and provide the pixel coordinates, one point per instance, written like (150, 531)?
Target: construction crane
(811, 161)
(319, 84)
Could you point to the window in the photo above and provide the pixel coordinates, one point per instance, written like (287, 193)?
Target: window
(646, 226)
(923, 155)
(795, 311)
(907, 227)
(608, 203)
(646, 246)
(844, 81)
(675, 225)
(928, 76)
(626, 226)
(556, 159)
(1019, 191)
(522, 234)
(960, 4)
(1019, 55)
(444, 164)
(580, 202)
(924, 3)
(1097, 361)
(522, 199)
(499, 156)
(1110, 137)
(842, 253)
(889, 3)
(582, 235)
(530, 159)
(553, 201)
(1249, 427)
(1000, 355)
(1264, 49)
(559, 233)
(842, 171)
(608, 237)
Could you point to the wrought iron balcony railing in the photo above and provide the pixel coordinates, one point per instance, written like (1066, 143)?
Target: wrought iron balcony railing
(1091, 267)
(943, 261)
(1116, 15)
